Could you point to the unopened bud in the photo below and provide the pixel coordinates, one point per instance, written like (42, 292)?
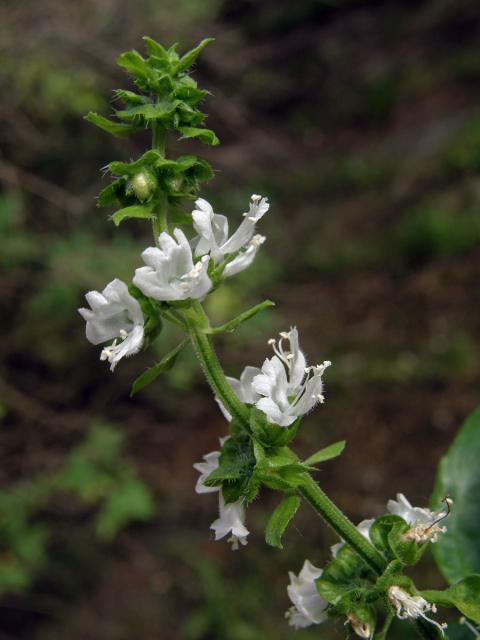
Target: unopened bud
(143, 185)
(362, 628)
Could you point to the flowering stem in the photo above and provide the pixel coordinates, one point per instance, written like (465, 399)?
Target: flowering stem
(211, 366)
(196, 317)
(341, 524)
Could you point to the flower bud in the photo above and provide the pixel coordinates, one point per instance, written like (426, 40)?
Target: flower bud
(362, 622)
(143, 184)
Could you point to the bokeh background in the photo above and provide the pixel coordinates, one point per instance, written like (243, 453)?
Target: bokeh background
(360, 120)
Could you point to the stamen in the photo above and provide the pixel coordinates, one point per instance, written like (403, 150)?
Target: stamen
(448, 503)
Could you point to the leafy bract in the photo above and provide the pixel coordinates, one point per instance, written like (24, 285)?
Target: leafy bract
(328, 453)
(243, 317)
(280, 519)
(118, 129)
(143, 211)
(152, 374)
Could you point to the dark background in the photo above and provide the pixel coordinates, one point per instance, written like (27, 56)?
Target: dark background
(360, 121)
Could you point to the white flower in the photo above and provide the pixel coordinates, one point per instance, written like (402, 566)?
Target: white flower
(408, 606)
(115, 314)
(232, 515)
(212, 229)
(170, 273)
(424, 522)
(289, 388)
(363, 527)
(205, 469)
(231, 520)
(243, 388)
(308, 606)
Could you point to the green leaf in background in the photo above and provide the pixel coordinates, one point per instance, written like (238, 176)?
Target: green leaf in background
(330, 452)
(152, 374)
(207, 136)
(457, 551)
(118, 129)
(132, 500)
(143, 211)
(280, 519)
(243, 317)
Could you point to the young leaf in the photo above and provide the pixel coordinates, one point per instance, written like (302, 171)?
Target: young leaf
(158, 111)
(152, 374)
(118, 129)
(135, 211)
(457, 551)
(154, 48)
(207, 136)
(330, 452)
(130, 97)
(136, 66)
(243, 317)
(189, 58)
(279, 520)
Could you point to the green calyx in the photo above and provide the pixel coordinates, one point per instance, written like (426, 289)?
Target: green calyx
(167, 101)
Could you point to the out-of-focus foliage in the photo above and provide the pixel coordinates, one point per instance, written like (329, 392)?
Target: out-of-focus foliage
(96, 471)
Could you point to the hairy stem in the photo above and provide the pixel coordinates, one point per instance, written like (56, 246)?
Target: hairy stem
(212, 368)
(342, 525)
(309, 490)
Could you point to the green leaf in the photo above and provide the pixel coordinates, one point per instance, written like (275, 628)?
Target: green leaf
(189, 58)
(465, 595)
(207, 136)
(148, 159)
(151, 111)
(143, 211)
(457, 551)
(243, 317)
(330, 452)
(152, 374)
(154, 48)
(118, 129)
(130, 97)
(280, 519)
(136, 66)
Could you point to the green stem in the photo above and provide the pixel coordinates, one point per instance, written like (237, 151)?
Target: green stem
(160, 220)
(158, 138)
(196, 320)
(212, 368)
(382, 634)
(342, 525)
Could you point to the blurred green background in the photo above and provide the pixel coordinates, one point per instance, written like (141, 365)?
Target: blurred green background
(361, 122)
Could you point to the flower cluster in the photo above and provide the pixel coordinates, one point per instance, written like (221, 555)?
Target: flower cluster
(284, 388)
(305, 611)
(176, 270)
(231, 518)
